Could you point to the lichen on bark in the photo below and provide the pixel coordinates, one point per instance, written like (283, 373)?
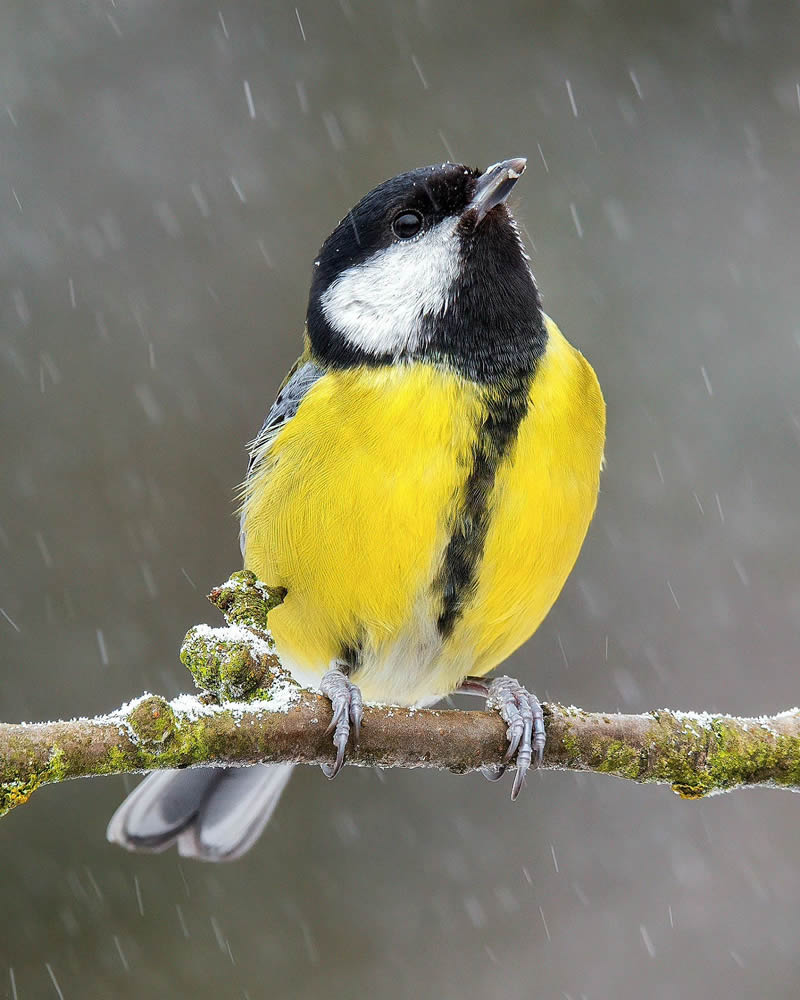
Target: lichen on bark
(244, 600)
(695, 753)
(237, 663)
(249, 710)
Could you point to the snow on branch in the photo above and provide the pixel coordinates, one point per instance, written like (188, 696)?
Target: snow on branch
(249, 711)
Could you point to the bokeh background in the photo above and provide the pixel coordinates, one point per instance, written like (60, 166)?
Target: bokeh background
(167, 172)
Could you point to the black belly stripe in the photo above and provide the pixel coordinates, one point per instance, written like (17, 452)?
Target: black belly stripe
(457, 578)
(350, 657)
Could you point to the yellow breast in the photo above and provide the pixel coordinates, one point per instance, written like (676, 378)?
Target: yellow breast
(353, 507)
(349, 512)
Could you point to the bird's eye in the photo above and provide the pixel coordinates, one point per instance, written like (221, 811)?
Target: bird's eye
(406, 224)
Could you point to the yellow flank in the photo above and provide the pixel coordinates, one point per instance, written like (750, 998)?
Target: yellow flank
(352, 508)
(348, 510)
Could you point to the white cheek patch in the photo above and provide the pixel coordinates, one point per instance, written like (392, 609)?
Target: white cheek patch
(379, 305)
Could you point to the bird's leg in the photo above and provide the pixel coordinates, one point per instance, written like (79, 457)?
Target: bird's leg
(522, 713)
(348, 710)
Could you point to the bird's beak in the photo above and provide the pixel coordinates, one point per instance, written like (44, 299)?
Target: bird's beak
(494, 186)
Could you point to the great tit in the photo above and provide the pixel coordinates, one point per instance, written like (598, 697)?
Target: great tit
(421, 486)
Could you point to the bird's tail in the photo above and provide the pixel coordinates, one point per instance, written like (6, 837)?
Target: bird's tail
(213, 813)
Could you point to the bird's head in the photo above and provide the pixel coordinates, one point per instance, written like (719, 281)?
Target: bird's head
(429, 266)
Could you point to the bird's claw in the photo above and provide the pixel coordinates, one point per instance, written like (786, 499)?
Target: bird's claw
(348, 710)
(522, 713)
(493, 773)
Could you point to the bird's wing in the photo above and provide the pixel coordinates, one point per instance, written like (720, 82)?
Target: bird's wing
(291, 394)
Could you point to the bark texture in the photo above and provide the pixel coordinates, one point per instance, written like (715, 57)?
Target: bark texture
(250, 711)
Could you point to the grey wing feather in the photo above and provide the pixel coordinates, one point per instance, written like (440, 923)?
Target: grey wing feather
(232, 818)
(159, 808)
(214, 813)
(283, 409)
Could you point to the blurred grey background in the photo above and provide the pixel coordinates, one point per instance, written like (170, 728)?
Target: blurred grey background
(167, 173)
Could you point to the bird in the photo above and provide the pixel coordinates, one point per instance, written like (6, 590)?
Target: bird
(420, 489)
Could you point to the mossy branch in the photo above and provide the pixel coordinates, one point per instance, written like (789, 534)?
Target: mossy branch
(249, 710)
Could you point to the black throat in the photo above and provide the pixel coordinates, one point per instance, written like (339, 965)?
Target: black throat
(493, 330)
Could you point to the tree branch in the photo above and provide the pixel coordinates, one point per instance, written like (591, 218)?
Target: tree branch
(250, 711)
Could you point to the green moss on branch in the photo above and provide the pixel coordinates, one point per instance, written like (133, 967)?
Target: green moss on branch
(237, 663)
(246, 601)
(695, 753)
(250, 710)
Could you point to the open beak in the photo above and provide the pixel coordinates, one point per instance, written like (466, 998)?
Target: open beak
(495, 185)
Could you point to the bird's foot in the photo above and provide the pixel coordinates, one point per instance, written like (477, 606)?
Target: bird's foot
(522, 713)
(348, 710)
